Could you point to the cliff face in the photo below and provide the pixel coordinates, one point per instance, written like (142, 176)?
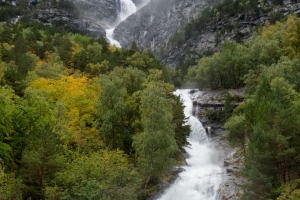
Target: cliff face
(92, 17)
(239, 27)
(153, 25)
(99, 12)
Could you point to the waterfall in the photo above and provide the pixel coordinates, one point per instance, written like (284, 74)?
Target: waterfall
(127, 7)
(203, 174)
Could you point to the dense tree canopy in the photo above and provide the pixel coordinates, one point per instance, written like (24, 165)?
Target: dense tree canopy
(71, 107)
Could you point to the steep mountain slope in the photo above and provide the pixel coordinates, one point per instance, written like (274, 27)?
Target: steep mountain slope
(153, 25)
(196, 42)
(174, 31)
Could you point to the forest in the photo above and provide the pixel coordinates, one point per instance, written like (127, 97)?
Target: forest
(81, 119)
(266, 126)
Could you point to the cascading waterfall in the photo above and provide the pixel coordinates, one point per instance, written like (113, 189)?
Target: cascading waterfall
(127, 7)
(203, 174)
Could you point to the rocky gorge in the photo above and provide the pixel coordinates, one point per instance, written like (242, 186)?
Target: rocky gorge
(205, 101)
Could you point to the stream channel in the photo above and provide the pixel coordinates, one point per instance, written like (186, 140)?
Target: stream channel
(202, 175)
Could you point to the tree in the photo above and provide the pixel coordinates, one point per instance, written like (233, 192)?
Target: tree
(228, 107)
(155, 146)
(104, 175)
(6, 109)
(76, 98)
(271, 153)
(237, 130)
(290, 190)
(41, 159)
(181, 131)
(10, 186)
(0, 53)
(111, 108)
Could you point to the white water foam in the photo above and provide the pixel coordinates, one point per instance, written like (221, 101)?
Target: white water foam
(127, 8)
(109, 35)
(203, 174)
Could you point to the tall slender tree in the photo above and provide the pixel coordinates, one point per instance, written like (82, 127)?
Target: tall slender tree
(156, 145)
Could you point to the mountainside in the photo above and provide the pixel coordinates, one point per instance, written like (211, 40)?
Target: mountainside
(177, 32)
(90, 17)
(153, 25)
(238, 27)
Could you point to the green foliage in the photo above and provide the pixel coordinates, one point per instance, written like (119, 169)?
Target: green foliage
(156, 145)
(236, 62)
(70, 107)
(228, 107)
(268, 113)
(6, 123)
(10, 186)
(290, 190)
(41, 159)
(181, 131)
(237, 127)
(266, 125)
(112, 109)
(101, 175)
(213, 115)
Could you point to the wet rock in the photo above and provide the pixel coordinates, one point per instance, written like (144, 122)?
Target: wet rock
(177, 170)
(194, 91)
(229, 170)
(229, 157)
(216, 98)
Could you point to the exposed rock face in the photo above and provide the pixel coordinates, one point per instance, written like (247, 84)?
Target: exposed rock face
(99, 12)
(239, 27)
(153, 25)
(216, 98)
(139, 3)
(232, 180)
(53, 15)
(91, 17)
(232, 158)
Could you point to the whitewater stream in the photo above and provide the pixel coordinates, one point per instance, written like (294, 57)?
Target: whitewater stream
(127, 7)
(202, 175)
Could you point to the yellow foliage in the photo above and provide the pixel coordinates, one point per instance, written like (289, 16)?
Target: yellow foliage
(112, 48)
(76, 49)
(269, 30)
(8, 47)
(78, 95)
(290, 37)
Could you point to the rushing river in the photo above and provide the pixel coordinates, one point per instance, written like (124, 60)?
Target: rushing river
(203, 174)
